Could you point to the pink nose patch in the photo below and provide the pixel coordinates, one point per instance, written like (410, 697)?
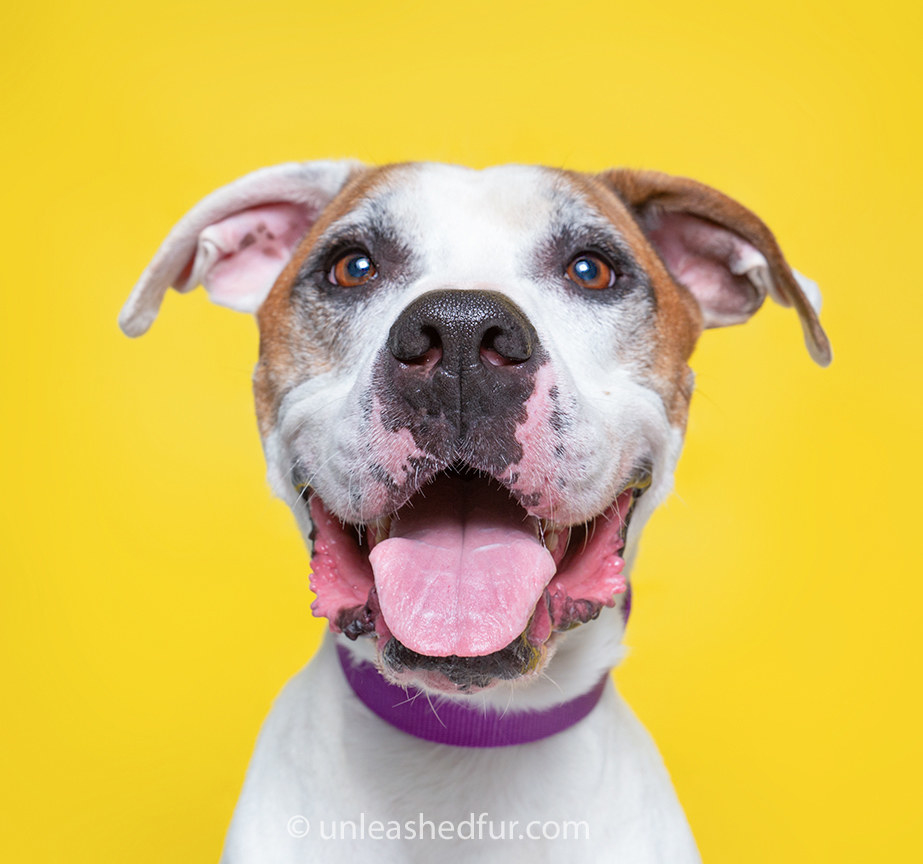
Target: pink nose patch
(462, 571)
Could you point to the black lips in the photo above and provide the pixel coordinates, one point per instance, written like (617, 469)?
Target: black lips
(467, 673)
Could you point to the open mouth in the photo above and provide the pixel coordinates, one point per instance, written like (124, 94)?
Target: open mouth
(461, 586)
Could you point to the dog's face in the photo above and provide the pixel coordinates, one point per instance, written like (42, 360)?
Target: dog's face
(472, 385)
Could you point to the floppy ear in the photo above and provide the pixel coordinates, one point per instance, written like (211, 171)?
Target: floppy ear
(720, 251)
(238, 240)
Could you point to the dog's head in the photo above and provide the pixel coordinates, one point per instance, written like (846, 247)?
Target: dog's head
(472, 385)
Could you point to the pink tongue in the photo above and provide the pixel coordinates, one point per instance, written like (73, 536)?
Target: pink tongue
(462, 571)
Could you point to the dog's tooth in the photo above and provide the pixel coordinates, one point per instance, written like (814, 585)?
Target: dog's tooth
(555, 538)
(551, 540)
(383, 529)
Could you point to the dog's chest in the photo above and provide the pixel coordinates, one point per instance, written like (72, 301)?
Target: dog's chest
(599, 790)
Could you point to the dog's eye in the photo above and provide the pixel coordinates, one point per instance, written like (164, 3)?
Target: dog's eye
(589, 270)
(352, 269)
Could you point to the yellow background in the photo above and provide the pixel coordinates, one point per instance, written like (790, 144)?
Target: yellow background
(155, 598)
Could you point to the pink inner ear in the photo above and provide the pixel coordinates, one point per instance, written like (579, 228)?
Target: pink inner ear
(727, 275)
(239, 258)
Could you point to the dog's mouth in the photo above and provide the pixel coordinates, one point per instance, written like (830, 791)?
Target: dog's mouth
(460, 586)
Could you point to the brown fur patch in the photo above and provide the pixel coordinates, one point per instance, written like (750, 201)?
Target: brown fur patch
(678, 318)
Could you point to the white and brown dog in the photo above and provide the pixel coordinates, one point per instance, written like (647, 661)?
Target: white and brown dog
(472, 390)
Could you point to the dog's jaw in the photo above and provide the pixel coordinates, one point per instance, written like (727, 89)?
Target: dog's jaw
(557, 672)
(573, 661)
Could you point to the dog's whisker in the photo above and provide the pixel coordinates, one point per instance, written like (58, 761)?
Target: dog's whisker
(591, 531)
(509, 701)
(586, 535)
(544, 674)
(310, 481)
(433, 709)
(411, 698)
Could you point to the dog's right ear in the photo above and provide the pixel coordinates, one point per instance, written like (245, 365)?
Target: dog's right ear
(238, 240)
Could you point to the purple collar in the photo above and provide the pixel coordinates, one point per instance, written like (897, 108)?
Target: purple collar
(455, 723)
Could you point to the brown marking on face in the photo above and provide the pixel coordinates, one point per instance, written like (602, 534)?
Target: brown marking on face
(678, 320)
(287, 355)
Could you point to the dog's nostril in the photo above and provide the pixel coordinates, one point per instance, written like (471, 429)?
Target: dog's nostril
(489, 352)
(419, 345)
(423, 348)
(500, 347)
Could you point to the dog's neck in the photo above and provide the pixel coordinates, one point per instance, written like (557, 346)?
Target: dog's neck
(456, 723)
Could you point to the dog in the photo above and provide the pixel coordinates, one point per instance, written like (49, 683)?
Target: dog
(472, 391)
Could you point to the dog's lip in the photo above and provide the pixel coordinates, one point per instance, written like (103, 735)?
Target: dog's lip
(588, 577)
(456, 674)
(376, 526)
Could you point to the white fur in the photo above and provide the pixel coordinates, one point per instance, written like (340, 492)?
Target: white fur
(323, 756)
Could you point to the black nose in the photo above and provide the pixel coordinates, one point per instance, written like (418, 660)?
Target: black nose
(457, 372)
(461, 330)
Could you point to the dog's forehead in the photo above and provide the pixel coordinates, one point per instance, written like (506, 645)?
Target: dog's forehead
(519, 197)
(463, 214)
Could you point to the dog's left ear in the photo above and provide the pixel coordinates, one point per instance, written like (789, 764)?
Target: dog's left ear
(719, 250)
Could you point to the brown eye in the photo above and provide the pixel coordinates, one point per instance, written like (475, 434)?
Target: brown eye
(590, 271)
(352, 270)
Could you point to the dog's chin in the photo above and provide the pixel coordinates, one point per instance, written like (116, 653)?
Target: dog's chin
(521, 660)
(461, 588)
